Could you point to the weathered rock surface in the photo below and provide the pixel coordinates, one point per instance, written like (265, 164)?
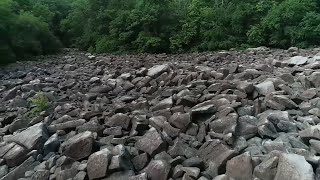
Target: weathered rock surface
(98, 163)
(78, 146)
(151, 142)
(226, 115)
(294, 167)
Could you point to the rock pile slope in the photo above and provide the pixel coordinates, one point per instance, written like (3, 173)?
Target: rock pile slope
(225, 116)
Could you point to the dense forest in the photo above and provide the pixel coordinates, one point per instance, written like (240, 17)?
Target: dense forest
(35, 27)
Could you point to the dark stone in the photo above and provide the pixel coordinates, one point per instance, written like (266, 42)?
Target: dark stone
(119, 119)
(180, 121)
(92, 126)
(240, 167)
(140, 161)
(217, 152)
(100, 89)
(115, 131)
(98, 164)
(19, 171)
(151, 142)
(121, 175)
(15, 156)
(158, 170)
(31, 138)
(52, 144)
(193, 162)
(78, 146)
(41, 175)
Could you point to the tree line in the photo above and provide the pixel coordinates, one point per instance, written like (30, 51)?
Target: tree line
(29, 27)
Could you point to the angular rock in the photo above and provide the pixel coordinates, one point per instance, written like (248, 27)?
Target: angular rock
(293, 167)
(151, 142)
(206, 109)
(315, 79)
(171, 131)
(157, 70)
(158, 170)
(65, 173)
(166, 103)
(193, 162)
(157, 122)
(191, 171)
(3, 170)
(78, 146)
(11, 93)
(312, 132)
(66, 125)
(118, 163)
(247, 127)
(285, 101)
(120, 175)
(240, 167)
(80, 176)
(315, 111)
(225, 125)
(180, 148)
(180, 121)
(119, 119)
(18, 124)
(140, 161)
(41, 175)
(19, 171)
(246, 87)
(52, 144)
(315, 145)
(217, 152)
(142, 176)
(298, 60)
(265, 88)
(100, 89)
(32, 138)
(115, 131)
(15, 156)
(92, 126)
(177, 171)
(98, 163)
(287, 77)
(267, 169)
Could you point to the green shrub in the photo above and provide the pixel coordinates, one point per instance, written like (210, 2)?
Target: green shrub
(39, 103)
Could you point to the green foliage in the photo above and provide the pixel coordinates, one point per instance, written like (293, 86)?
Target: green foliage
(280, 27)
(30, 28)
(40, 103)
(31, 36)
(154, 26)
(190, 25)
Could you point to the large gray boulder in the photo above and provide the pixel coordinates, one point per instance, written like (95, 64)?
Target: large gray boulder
(31, 138)
(265, 88)
(267, 169)
(315, 79)
(19, 171)
(298, 60)
(217, 152)
(294, 167)
(78, 146)
(151, 142)
(240, 167)
(157, 70)
(119, 119)
(158, 170)
(98, 163)
(312, 132)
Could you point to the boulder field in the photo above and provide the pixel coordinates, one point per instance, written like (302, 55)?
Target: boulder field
(229, 115)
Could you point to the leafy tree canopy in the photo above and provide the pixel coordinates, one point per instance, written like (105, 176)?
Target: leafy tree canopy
(154, 26)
